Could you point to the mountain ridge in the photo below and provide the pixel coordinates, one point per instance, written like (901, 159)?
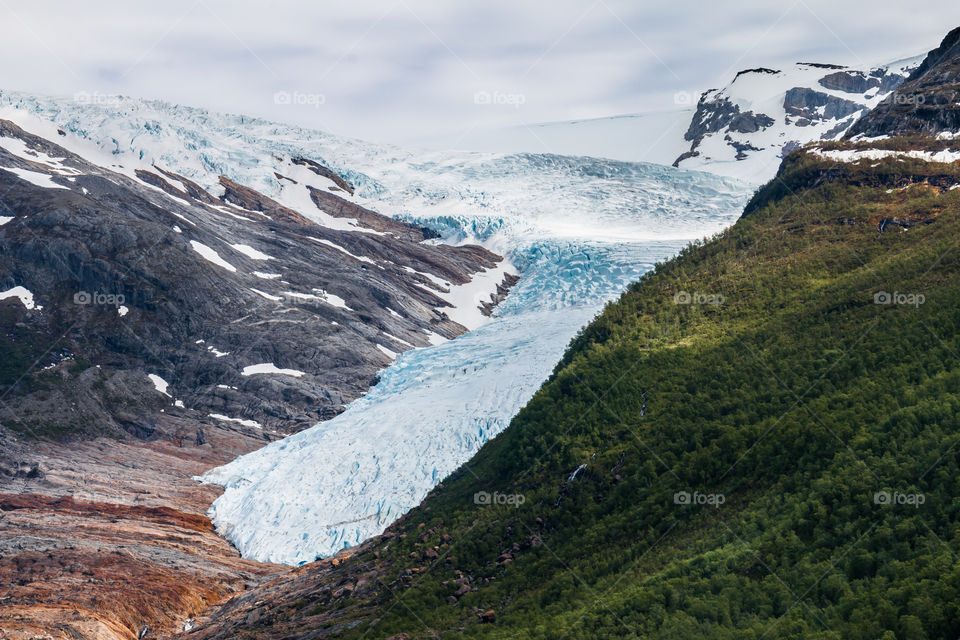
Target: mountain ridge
(799, 103)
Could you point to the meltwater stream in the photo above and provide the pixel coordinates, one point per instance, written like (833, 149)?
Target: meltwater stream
(578, 231)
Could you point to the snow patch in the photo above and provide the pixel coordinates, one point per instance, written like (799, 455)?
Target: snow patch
(858, 155)
(467, 298)
(341, 249)
(390, 354)
(250, 252)
(159, 383)
(24, 294)
(333, 300)
(266, 295)
(321, 296)
(269, 367)
(212, 256)
(246, 423)
(44, 180)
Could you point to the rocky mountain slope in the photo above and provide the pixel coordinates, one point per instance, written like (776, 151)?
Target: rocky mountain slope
(756, 440)
(747, 127)
(148, 292)
(153, 329)
(927, 103)
(107, 539)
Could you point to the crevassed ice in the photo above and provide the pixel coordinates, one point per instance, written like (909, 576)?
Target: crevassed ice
(347, 479)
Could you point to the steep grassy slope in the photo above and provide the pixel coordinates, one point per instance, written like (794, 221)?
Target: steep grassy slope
(756, 441)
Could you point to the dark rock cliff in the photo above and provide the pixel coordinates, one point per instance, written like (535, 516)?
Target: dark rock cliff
(927, 103)
(149, 274)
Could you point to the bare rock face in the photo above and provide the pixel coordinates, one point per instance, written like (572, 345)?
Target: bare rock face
(152, 331)
(240, 307)
(801, 102)
(324, 172)
(860, 82)
(104, 539)
(251, 200)
(721, 114)
(850, 82)
(927, 103)
(338, 207)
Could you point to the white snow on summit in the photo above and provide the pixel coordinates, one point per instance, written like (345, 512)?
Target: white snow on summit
(738, 151)
(804, 103)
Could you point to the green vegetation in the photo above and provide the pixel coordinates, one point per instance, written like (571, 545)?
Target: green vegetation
(797, 399)
(18, 349)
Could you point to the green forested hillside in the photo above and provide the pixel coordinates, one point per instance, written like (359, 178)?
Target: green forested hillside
(824, 422)
(758, 440)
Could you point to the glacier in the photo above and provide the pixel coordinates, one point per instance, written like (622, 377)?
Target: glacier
(577, 230)
(578, 235)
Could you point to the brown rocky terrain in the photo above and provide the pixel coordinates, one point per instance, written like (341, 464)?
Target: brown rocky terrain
(108, 540)
(103, 532)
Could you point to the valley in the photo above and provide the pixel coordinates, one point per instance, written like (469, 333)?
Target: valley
(757, 439)
(261, 381)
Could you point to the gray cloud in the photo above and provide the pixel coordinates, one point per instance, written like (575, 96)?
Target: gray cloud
(409, 69)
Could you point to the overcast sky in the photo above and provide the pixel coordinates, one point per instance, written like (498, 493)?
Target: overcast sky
(405, 70)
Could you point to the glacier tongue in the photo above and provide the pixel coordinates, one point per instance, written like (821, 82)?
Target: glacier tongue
(578, 236)
(578, 229)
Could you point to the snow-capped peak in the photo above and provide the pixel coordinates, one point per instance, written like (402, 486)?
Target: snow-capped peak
(745, 129)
